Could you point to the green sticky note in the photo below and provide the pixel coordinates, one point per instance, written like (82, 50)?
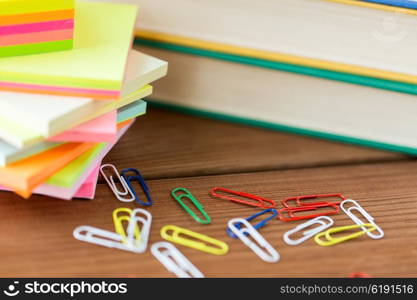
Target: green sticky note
(27, 49)
(67, 176)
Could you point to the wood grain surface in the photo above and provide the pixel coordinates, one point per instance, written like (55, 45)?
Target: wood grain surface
(174, 150)
(167, 144)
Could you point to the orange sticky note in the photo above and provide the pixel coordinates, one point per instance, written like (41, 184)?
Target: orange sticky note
(25, 175)
(124, 124)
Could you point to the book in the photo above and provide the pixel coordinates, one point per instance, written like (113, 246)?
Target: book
(287, 102)
(95, 67)
(36, 27)
(400, 3)
(343, 36)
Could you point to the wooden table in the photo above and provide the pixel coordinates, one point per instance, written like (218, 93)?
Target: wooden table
(174, 150)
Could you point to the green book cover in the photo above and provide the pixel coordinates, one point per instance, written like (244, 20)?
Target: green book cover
(396, 86)
(322, 73)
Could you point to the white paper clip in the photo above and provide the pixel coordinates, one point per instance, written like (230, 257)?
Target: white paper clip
(110, 239)
(144, 230)
(110, 181)
(324, 221)
(174, 261)
(268, 255)
(100, 237)
(368, 217)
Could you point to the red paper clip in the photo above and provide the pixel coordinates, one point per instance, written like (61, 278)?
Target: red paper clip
(299, 198)
(260, 202)
(291, 210)
(359, 275)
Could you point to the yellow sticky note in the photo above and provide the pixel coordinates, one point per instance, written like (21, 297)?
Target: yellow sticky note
(94, 68)
(14, 7)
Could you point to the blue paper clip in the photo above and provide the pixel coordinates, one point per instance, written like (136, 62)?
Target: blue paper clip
(139, 178)
(256, 226)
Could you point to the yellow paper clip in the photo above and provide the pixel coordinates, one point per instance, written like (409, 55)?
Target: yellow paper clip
(205, 243)
(335, 240)
(118, 220)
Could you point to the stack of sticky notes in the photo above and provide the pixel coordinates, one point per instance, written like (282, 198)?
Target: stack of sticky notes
(61, 112)
(33, 26)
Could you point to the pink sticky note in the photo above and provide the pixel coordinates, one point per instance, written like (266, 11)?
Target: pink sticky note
(88, 188)
(101, 129)
(67, 193)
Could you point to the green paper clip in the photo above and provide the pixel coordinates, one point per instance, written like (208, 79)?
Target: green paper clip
(186, 194)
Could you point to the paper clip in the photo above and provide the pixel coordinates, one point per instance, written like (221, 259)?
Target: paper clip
(359, 275)
(323, 221)
(100, 237)
(259, 224)
(259, 201)
(306, 197)
(174, 261)
(144, 217)
(268, 255)
(118, 223)
(292, 210)
(368, 217)
(125, 241)
(179, 235)
(184, 193)
(332, 241)
(137, 176)
(110, 181)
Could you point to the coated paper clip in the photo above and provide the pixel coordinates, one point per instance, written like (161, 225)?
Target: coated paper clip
(135, 237)
(254, 216)
(195, 240)
(292, 210)
(110, 181)
(257, 200)
(269, 254)
(359, 275)
(306, 197)
(139, 216)
(126, 242)
(137, 176)
(364, 213)
(174, 261)
(180, 193)
(121, 215)
(100, 237)
(329, 240)
(323, 221)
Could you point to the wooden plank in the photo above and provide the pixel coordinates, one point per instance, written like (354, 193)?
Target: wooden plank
(37, 234)
(165, 144)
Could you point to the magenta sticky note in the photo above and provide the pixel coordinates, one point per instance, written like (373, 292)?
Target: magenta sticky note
(101, 129)
(88, 188)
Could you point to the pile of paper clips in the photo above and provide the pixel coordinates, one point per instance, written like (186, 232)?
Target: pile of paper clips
(135, 237)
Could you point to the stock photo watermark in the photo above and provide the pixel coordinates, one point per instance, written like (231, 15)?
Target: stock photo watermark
(390, 29)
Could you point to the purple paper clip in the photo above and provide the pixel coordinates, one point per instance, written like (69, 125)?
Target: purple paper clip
(254, 216)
